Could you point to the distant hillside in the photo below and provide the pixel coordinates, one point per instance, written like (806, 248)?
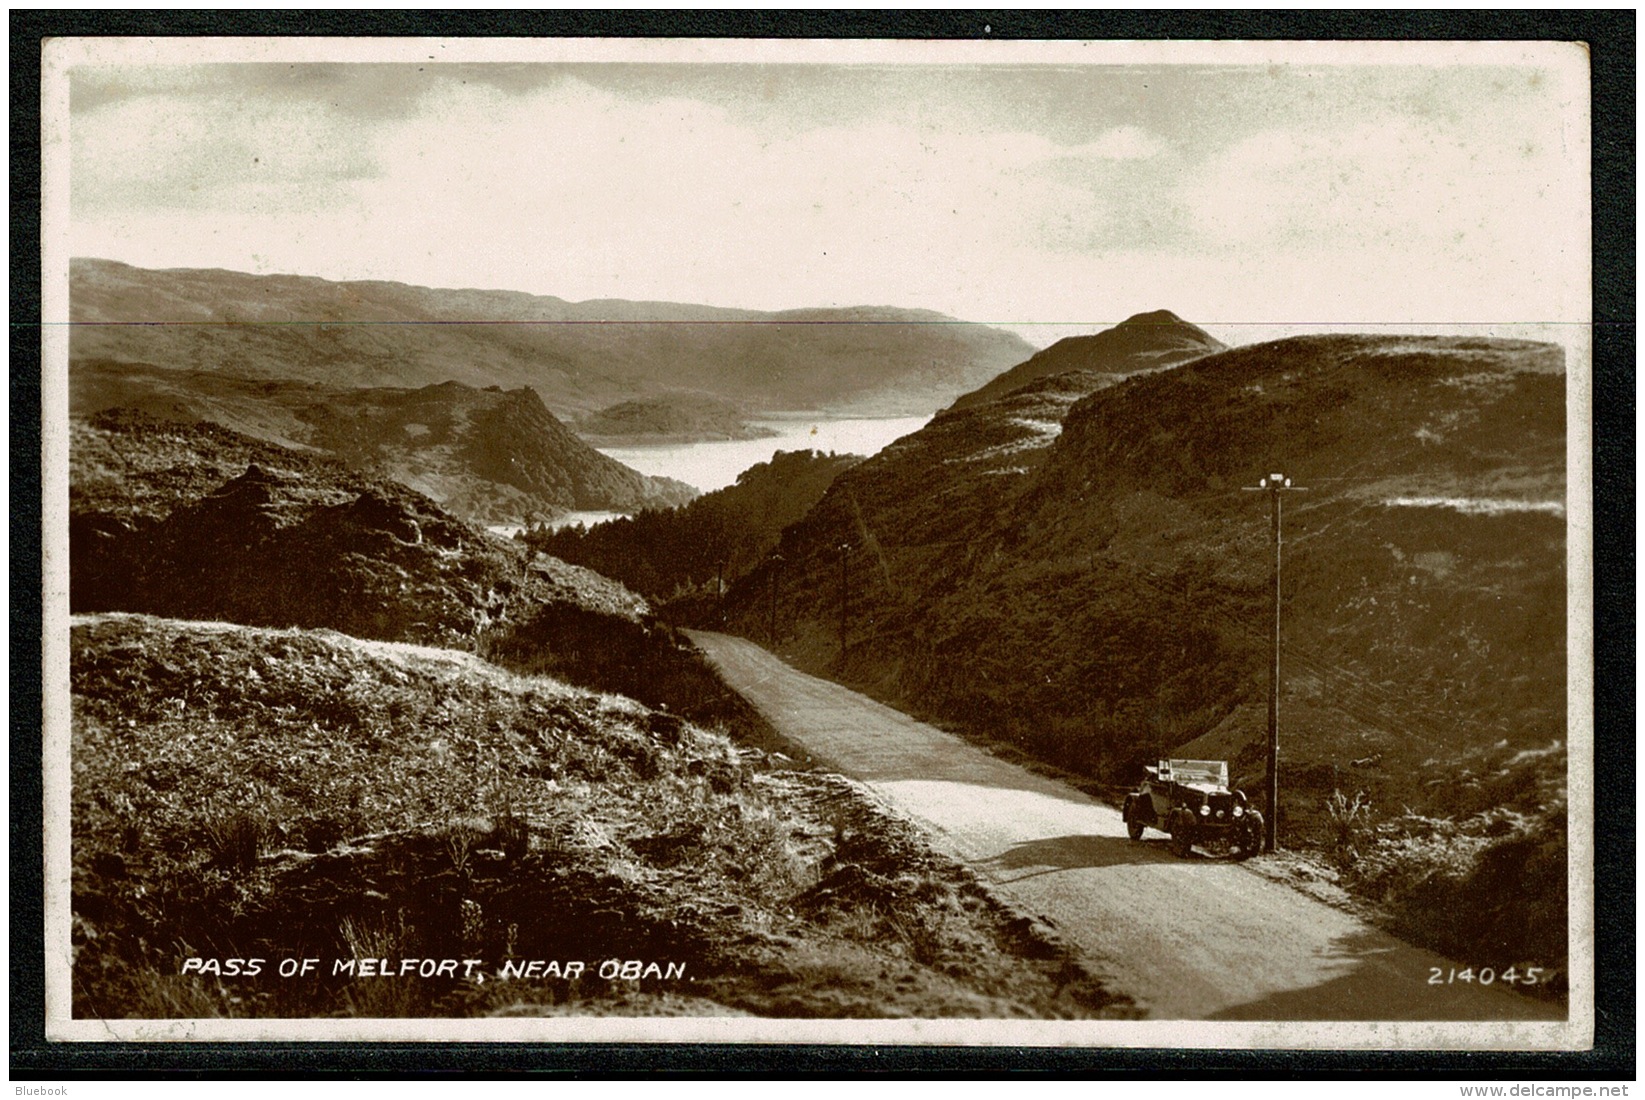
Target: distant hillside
(486, 455)
(1147, 341)
(674, 417)
(1091, 586)
(685, 553)
(579, 356)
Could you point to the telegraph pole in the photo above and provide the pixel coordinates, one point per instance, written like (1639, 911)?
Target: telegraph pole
(776, 563)
(845, 595)
(1274, 485)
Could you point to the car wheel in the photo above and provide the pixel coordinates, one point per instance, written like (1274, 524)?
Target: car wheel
(1251, 843)
(1182, 834)
(1129, 814)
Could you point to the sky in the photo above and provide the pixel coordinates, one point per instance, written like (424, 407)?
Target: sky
(1293, 193)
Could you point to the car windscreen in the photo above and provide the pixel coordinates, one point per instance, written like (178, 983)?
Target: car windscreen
(1210, 772)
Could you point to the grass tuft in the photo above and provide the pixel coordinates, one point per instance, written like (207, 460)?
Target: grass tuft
(235, 837)
(1350, 826)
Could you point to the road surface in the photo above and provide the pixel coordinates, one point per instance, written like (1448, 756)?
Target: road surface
(1199, 938)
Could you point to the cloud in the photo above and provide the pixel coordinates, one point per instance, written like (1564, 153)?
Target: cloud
(226, 152)
(583, 193)
(564, 187)
(1403, 182)
(1123, 143)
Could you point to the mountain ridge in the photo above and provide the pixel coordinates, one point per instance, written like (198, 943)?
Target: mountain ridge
(580, 357)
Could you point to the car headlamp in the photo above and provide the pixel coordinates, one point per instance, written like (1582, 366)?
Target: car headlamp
(1239, 811)
(1205, 810)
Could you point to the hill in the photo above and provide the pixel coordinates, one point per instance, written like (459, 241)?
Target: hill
(1147, 341)
(1091, 589)
(1109, 556)
(689, 553)
(579, 356)
(250, 794)
(490, 456)
(1092, 585)
(196, 522)
(261, 786)
(669, 418)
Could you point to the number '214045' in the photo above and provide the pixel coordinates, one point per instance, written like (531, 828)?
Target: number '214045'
(1438, 975)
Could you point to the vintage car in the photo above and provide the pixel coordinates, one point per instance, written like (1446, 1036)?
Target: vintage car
(1190, 800)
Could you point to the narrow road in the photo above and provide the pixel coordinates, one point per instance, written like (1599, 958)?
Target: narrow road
(1199, 938)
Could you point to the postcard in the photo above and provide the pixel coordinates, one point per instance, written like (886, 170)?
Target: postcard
(1076, 544)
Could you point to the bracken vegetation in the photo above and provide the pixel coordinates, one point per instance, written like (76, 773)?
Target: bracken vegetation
(265, 787)
(286, 794)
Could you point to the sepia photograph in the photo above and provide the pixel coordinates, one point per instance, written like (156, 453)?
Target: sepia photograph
(1076, 544)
